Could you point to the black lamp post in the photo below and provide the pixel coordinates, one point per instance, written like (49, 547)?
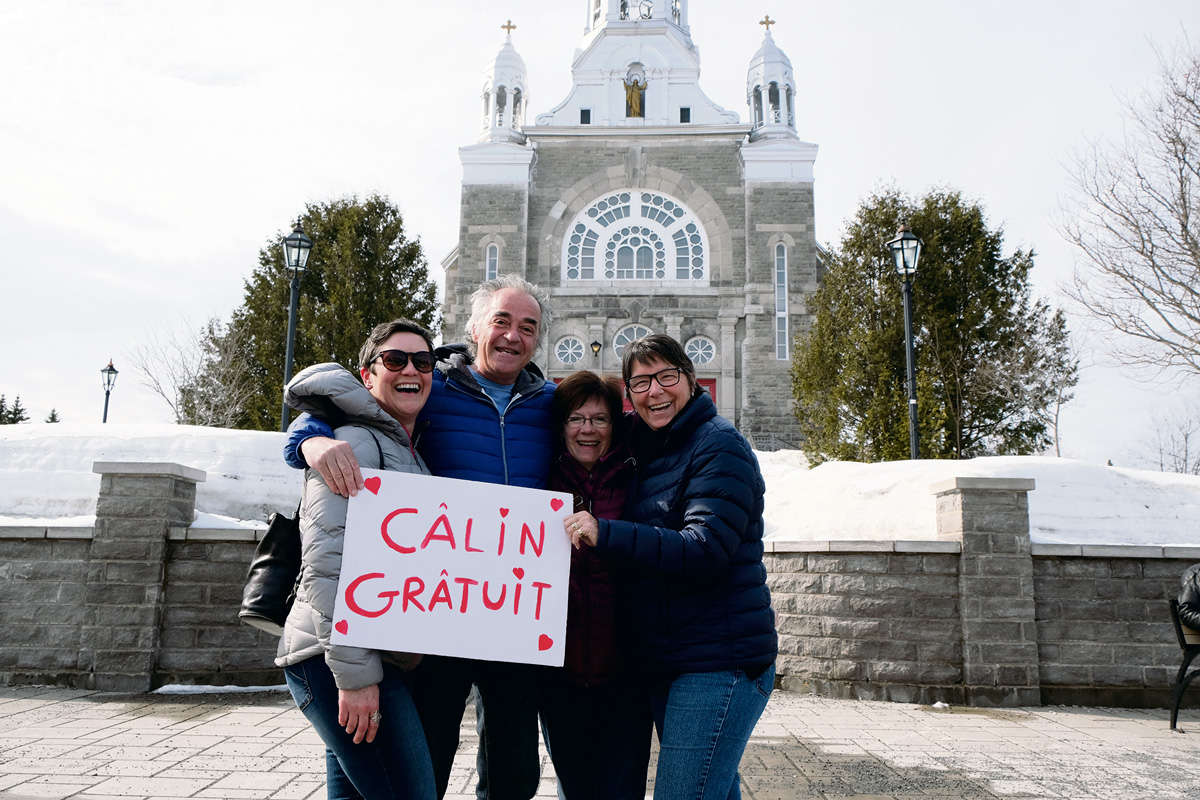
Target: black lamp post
(109, 374)
(595, 345)
(296, 248)
(906, 249)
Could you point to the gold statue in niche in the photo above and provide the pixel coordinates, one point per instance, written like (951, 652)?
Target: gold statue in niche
(635, 97)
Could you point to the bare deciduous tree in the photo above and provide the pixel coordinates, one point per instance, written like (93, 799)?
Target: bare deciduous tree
(200, 373)
(1136, 221)
(1173, 442)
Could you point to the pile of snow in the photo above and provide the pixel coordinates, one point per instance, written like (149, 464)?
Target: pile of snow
(1074, 502)
(46, 478)
(46, 470)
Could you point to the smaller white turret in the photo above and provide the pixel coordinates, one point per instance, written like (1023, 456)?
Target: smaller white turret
(771, 91)
(504, 95)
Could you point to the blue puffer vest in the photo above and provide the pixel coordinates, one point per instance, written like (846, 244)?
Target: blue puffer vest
(698, 599)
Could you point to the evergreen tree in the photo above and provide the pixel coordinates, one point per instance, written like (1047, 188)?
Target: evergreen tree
(363, 270)
(12, 414)
(53, 417)
(992, 364)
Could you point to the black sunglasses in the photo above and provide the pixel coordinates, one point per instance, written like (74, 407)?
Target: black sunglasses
(396, 360)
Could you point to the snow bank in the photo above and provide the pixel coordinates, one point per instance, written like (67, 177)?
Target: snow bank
(46, 478)
(46, 470)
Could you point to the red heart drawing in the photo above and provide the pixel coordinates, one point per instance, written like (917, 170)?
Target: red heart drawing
(504, 512)
(545, 642)
(520, 573)
(342, 627)
(556, 504)
(373, 485)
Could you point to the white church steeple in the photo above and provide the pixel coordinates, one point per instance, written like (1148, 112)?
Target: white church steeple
(771, 90)
(636, 67)
(504, 94)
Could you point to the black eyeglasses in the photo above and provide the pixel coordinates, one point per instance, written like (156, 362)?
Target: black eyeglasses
(396, 360)
(599, 423)
(665, 378)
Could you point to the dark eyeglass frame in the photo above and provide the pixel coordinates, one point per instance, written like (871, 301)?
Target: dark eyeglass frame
(643, 381)
(422, 360)
(576, 422)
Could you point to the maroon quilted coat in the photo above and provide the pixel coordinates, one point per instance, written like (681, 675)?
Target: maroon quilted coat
(592, 652)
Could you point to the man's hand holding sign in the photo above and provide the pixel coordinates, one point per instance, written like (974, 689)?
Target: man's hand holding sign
(456, 568)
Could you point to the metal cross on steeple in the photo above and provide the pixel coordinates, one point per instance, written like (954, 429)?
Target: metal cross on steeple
(508, 26)
(767, 21)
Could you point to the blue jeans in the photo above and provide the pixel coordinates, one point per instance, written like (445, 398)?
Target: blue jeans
(395, 765)
(704, 721)
(598, 737)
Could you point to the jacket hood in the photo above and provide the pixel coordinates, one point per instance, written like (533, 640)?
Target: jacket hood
(336, 395)
(454, 361)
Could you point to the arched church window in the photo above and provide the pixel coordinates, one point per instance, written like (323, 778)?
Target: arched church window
(595, 12)
(492, 268)
(487, 105)
(630, 333)
(635, 235)
(624, 9)
(516, 109)
(701, 350)
(773, 101)
(757, 104)
(676, 11)
(791, 107)
(781, 302)
(569, 350)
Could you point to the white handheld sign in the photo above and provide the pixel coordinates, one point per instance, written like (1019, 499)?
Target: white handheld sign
(456, 568)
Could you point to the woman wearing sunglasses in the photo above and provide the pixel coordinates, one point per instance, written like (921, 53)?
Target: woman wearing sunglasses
(696, 603)
(356, 698)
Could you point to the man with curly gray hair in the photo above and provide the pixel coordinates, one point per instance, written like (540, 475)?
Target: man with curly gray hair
(487, 419)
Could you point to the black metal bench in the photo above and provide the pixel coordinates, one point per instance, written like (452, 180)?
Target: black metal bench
(1189, 643)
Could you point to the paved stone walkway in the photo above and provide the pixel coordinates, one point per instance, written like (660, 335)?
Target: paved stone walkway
(57, 743)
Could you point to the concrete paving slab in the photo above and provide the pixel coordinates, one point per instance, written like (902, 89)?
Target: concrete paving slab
(72, 745)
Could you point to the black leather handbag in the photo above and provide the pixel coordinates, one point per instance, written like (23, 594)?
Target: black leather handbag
(274, 574)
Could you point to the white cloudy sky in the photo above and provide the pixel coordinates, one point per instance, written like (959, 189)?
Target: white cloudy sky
(150, 148)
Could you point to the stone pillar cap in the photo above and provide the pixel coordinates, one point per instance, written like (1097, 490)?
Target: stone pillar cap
(166, 468)
(994, 484)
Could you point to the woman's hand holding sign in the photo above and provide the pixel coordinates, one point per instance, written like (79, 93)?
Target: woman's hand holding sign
(582, 527)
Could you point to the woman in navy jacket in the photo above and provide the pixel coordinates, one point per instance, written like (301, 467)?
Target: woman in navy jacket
(697, 606)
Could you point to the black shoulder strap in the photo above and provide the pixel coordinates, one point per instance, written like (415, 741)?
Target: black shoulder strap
(378, 446)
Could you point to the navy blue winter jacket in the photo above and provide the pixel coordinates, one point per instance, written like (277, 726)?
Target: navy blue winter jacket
(698, 599)
(460, 433)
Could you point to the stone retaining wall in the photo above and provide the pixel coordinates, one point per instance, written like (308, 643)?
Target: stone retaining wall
(978, 617)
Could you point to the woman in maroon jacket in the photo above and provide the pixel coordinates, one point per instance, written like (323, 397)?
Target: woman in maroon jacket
(595, 716)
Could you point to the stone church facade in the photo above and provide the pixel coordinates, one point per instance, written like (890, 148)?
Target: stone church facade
(642, 206)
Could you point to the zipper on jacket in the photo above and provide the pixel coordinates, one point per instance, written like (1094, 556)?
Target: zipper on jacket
(483, 396)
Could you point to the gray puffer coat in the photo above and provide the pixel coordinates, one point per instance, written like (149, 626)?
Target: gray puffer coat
(335, 393)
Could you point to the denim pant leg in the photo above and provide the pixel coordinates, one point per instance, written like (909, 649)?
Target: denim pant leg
(598, 737)
(337, 785)
(704, 722)
(396, 764)
(508, 740)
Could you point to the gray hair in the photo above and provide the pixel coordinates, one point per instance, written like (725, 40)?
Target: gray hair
(481, 303)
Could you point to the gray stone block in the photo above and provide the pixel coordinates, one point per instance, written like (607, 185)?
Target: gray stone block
(136, 572)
